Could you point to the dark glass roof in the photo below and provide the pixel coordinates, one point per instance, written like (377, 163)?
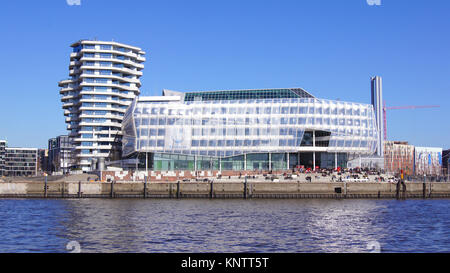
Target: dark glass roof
(247, 94)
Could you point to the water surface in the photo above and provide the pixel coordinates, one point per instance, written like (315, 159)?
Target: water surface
(167, 225)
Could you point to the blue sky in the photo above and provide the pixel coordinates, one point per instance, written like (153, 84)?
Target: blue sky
(329, 47)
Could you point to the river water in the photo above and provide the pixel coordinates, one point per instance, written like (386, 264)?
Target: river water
(202, 225)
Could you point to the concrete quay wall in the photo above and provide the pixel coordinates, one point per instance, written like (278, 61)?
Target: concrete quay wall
(223, 190)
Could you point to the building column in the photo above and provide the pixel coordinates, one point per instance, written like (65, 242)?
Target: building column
(335, 160)
(195, 163)
(220, 164)
(270, 161)
(314, 153)
(137, 163)
(314, 160)
(314, 138)
(146, 163)
(287, 159)
(245, 162)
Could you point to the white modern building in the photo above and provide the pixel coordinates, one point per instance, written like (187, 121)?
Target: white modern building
(104, 81)
(264, 129)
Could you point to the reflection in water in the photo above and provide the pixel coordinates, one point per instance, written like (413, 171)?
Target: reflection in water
(137, 225)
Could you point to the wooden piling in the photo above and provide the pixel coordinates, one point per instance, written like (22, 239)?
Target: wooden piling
(112, 189)
(79, 189)
(145, 187)
(211, 192)
(45, 187)
(245, 187)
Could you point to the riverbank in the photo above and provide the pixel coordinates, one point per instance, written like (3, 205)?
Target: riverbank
(221, 189)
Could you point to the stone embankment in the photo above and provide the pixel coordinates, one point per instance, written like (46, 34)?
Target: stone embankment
(221, 188)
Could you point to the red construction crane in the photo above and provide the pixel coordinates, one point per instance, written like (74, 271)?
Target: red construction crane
(401, 108)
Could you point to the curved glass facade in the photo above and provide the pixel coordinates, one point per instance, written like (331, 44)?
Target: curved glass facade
(232, 128)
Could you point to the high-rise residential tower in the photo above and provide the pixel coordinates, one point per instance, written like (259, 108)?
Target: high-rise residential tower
(104, 81)
(377, 102)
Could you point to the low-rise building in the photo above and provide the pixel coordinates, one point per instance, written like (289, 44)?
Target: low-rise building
(398, 156)
(428, 161)
(21, 161)
(2, 157)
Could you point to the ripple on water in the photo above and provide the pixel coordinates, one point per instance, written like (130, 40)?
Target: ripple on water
(136, 225)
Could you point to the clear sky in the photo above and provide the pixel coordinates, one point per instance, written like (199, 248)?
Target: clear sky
(329, 47)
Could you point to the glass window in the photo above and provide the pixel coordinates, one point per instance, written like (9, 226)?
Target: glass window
(105, 47)
(105, 64)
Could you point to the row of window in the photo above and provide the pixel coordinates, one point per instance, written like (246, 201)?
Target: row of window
(254, 132)
(102, 97)
(90, 143)
(254, 143)
(105, 80)
(255, 121)
(85, 152)
(99, 120)
(100, 113)
(103, 104)
(96, 128)
(107, 56)
(103, 47)
(292, 110)
(102, 89)
(91, 136)
(107, 64)
(107, 73)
